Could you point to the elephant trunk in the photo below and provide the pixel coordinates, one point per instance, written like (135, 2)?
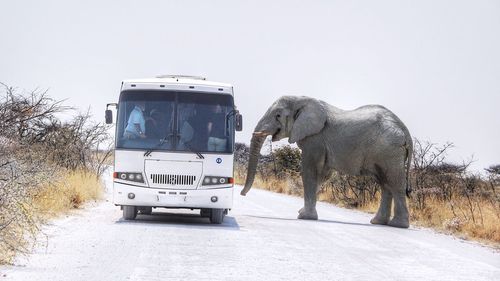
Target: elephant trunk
(255, 146)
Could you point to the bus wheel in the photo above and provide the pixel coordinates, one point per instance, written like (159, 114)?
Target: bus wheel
(216, 216)
(205, 213)
(145, 210)
(129, 212)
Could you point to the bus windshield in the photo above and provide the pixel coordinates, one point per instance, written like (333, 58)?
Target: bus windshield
(175, 121)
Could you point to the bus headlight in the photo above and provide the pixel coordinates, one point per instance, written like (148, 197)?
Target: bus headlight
(127, 176)
(211, 180)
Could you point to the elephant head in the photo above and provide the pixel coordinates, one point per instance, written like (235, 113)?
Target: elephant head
(289, 117)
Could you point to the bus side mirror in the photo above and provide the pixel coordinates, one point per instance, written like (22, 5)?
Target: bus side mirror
(109, 116)
(239, 122)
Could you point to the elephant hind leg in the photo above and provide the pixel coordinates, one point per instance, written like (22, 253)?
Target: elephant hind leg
(384, 211)
(398, 189)
(393, 187)
(401, 216)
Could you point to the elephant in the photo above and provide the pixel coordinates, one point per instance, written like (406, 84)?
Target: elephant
(369, 140)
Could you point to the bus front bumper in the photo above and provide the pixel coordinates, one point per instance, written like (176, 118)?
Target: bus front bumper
(124, 194)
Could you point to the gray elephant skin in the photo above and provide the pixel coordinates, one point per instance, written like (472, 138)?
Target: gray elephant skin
(369, 140)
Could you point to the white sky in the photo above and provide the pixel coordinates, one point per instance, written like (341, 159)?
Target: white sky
(436, 64)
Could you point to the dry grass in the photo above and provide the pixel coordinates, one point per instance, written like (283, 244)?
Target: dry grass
(290, 186)
(70, 192)
(454, 216)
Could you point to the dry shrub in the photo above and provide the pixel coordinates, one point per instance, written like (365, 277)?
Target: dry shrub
(46, 166)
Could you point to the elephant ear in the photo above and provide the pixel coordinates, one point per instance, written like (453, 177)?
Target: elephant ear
(309, 120)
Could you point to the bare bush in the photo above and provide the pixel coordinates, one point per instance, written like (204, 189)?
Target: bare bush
(34, 146)
(493, 183)
(287, 159)
(75, 144)
(26, 117)
(241, 154)
(352, 191)
(494, 169)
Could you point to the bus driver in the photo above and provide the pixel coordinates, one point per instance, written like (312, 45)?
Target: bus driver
(136, 124)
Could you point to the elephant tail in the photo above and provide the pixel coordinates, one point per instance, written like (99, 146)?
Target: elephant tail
(409, 154)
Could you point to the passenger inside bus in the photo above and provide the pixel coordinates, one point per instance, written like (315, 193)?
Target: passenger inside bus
(216, 126)
(198, 121)
(186, 129)
(154, 124)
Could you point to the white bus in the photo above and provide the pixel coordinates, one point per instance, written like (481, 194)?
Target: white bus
(174, 145)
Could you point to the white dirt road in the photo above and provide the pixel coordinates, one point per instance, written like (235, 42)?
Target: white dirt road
(259, 240)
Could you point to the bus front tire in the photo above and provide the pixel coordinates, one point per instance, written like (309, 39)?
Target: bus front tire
(205, 213)
(217, 216)
(145, 210)
(129, 212)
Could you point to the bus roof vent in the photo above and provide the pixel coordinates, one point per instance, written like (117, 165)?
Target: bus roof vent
(181, 77)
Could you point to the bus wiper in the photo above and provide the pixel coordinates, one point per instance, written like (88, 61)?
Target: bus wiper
(162, 141)
(194, 151)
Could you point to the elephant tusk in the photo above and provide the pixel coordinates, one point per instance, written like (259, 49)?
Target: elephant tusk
(259, 134)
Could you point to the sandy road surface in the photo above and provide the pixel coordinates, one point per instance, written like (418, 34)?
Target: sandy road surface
(259, 240)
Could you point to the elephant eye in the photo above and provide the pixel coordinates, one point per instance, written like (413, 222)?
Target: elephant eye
(278, 116)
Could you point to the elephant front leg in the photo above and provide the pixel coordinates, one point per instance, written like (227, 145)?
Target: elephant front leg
(384, 211)
(310, 182)
(308, 212)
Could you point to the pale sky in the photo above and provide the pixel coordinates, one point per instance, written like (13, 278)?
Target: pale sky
(436, 64)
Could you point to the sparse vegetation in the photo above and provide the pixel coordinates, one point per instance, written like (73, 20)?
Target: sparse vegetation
(446, 196)
(47, 166)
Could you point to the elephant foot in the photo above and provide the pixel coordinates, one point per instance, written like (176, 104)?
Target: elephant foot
(379, 220)
(399, 222)
(307, 215)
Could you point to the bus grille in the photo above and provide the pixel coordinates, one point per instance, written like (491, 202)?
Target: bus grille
(173, 179)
